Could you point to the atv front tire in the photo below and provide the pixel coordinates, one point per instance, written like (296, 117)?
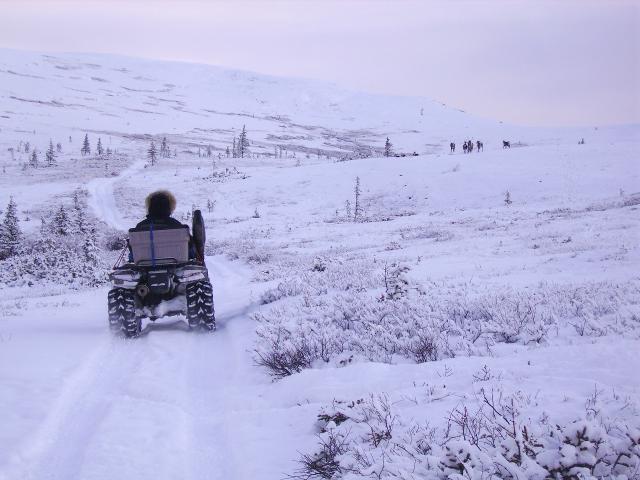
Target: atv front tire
(200, 310)
(122, 313)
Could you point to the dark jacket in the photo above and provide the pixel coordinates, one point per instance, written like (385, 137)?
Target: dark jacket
(159, 223)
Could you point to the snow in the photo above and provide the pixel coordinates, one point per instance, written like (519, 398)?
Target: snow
(80, 403)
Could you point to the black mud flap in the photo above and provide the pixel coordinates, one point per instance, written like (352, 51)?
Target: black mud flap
(199, 234)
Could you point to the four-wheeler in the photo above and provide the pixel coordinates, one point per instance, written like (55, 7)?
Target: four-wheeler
(161, 279)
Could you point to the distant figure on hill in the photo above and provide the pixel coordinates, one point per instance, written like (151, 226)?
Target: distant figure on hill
(479, 145)
(506, 144)
(465, 147)
(470, 146)
(452, 146)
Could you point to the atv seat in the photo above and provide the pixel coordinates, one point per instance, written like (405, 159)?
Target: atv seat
(159, 247)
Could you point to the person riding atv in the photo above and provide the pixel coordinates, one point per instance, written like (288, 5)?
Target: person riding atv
(160, 206)
(165, 273)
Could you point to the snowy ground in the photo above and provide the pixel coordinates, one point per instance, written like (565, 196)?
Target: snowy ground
(78, 403)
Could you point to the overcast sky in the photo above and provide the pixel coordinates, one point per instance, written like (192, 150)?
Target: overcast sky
(534, 62)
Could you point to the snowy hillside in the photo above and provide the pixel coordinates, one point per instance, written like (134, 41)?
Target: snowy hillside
(460, 316)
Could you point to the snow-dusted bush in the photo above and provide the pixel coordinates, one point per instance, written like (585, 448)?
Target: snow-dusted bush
(64, 252)
(487, 438)
(505, 317)
(342, 326)
(425, 232)
(324, 275)
(48, 259)
(114, 240)
(336, 312)
(595, 309)
(247, 247)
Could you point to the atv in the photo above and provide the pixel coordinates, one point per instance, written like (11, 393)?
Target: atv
(160, 279)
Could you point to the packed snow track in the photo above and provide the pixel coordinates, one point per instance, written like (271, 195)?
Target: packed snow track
(160, 406)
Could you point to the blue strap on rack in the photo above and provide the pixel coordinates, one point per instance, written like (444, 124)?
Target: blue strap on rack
(153, 248)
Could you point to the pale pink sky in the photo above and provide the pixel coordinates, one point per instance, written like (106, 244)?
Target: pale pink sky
(536, 62)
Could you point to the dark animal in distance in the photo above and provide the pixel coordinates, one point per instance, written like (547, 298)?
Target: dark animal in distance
(479, 145)
(452, 146)
(506, 144)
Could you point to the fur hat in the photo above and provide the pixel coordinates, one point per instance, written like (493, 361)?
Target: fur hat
(160, 204)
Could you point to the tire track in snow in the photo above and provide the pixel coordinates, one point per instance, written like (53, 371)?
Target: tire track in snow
(185, 379)
(56, 450)
(215, 374)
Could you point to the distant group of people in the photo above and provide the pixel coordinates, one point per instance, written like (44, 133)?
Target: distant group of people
(467, 146)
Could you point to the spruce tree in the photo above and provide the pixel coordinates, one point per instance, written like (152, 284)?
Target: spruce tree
(227, 152)
(27, 147)
(387, 148)
(61, 222)
(80, 217)
(51, 155)
(90, 249)
(243, 142)
(99, 149)
(33, 161)
(151, 153)
(86, 148)
(235, 149)
(10, 234)
(357, 208)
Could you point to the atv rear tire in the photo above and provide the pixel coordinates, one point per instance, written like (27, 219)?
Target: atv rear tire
(122, 313)
(200, 310)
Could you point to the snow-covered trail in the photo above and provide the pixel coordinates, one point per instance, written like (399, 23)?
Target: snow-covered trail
(162, 406)
(102, 201)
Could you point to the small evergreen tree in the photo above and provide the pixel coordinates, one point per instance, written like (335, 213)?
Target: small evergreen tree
(151, 153)
(90, 249)
(51, 155)
(227, 152)
(243, 143)
(33, 160)
(80, 217)
(27, 147)
(357, 208)
(387, 148)
(99, 149)
(208, 151)
(235, 149)
(86, 148)
(10, 233)
(61, 225)
(59, 147)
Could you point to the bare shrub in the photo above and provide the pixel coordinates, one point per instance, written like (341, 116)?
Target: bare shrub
(324, 463)
(516, 318)
(284, 356)
(488, 440)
